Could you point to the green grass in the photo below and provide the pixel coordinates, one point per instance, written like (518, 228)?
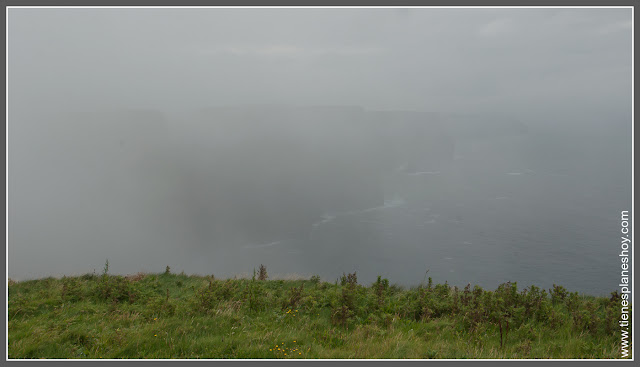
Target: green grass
(180, 316)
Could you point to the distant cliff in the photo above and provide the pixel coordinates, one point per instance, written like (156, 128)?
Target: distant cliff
(272, 171)
(241, 174)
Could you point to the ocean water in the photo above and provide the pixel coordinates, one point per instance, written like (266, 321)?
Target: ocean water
(477, 221)
(538, 209)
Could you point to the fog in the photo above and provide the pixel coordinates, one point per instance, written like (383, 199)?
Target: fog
(483, 145)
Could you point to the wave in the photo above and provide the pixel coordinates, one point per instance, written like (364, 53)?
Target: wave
(325, 219)
(521, 172)
(391, 203)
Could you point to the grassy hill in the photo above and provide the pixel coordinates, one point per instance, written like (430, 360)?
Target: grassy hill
(190, 316)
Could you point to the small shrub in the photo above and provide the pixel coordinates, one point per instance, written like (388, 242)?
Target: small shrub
(255, 293)
(227, 290)
(205, 298)
(340, 315)
(115, 289)
(558, 294)
(380, 287)
(295, 295)
(350, 279)
(262, 273)
(133, 278)
(89, 276)
(71, 289)
(466, 295)
(477, 293)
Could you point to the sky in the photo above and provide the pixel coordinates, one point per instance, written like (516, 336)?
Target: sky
(80, 184)
(539, 64)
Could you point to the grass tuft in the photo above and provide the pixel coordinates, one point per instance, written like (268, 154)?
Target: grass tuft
(190, 316)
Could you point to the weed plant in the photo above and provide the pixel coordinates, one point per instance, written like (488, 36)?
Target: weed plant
(169, 315)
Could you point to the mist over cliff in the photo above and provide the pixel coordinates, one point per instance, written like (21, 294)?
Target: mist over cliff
(486, 145)
(226, 175)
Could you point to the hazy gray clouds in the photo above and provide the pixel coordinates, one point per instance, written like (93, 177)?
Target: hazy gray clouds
(116, 152)
(534, 62)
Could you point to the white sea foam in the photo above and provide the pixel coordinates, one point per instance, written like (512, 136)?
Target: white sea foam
(325, 219)
(392, 203)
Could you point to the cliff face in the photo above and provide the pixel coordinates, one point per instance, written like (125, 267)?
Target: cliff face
(250, 174)
(270, 172)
